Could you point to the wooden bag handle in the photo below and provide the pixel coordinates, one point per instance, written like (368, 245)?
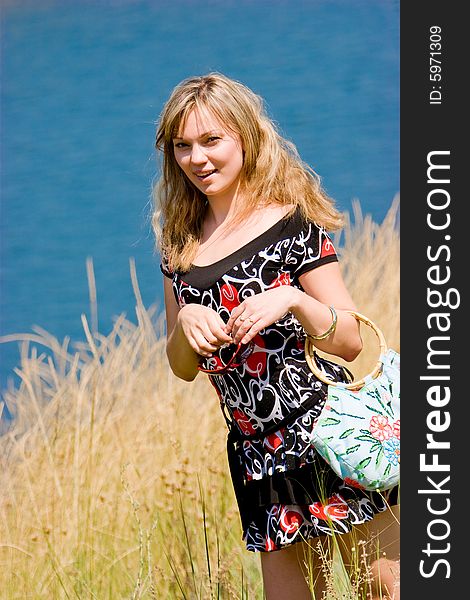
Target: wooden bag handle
(354, 385)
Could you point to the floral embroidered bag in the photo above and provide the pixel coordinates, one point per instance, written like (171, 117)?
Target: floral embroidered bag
(358, 430)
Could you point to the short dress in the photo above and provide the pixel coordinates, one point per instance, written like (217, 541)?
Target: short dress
(285, 491)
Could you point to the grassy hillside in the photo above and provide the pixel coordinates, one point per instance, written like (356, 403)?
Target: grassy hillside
(114, 481)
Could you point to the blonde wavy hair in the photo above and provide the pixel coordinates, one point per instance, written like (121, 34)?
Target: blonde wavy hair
(272, 172)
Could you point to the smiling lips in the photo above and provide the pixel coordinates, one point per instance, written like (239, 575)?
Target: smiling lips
(204, 174)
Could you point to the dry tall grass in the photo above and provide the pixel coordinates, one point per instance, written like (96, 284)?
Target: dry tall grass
(114, 481)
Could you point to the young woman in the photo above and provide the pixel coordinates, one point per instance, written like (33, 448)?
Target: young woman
(249, 272)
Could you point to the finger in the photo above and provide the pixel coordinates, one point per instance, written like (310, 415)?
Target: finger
(219, 343)
(202, 352)
(210, 337)
(235, 314)
(253, 331)
(203, 346)
(242, 321)
(219, 329)
(245, 326)
(238, 327)
(223, 337)
(216, 334)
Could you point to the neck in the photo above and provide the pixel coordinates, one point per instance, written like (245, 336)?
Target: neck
(222, 208)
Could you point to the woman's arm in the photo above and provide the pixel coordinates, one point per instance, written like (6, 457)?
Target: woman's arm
(192, 331)
(323, 287)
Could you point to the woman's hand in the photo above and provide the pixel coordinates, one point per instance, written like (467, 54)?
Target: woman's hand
(204, 328)
(258, 311)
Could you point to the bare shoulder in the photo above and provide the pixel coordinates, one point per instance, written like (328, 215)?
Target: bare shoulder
(272, 213)
(279, 210)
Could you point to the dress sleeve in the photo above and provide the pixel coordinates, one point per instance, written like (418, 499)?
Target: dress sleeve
(311, 248)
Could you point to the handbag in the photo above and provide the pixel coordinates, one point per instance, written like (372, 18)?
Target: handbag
(358, 430)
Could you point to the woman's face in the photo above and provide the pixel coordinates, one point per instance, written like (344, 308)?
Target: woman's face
(210, 156)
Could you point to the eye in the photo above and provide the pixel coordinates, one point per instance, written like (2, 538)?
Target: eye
(180, 145)
(212, 139)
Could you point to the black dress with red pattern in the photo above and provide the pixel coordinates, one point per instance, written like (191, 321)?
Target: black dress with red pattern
(285, 491)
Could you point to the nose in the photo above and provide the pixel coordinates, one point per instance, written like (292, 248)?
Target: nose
(198, 156)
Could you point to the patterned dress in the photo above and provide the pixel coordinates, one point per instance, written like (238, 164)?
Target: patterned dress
(285, 491)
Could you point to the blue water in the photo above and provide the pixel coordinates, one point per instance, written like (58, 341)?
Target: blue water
(82, 86)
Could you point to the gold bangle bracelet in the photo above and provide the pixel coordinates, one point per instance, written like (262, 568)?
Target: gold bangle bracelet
(330, 329)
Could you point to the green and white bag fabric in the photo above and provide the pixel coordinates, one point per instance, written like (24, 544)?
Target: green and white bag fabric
(358, 430)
